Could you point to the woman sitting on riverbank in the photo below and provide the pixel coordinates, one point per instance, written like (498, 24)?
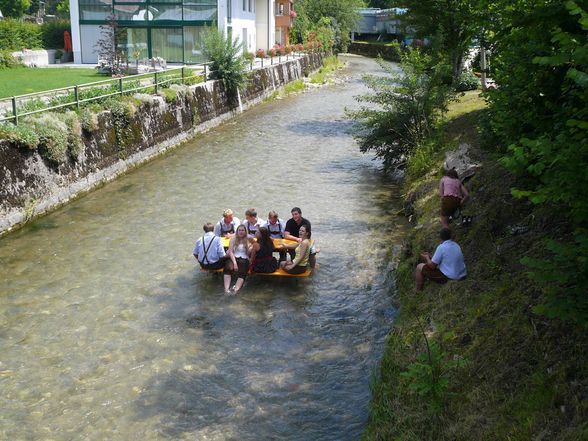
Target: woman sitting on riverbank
(453, 195)
(238, 260)
(262, 259)
(300, 263)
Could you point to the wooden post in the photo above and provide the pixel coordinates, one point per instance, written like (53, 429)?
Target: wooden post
(14, 111)
(120, 85)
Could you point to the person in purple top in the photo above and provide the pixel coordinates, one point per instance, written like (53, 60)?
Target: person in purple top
(446, 264)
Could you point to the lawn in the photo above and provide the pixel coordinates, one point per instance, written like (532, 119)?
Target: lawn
(23, 80)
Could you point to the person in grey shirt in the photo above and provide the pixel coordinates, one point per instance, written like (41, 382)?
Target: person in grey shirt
(209, 251)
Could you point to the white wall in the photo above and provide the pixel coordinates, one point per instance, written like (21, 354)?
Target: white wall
(240, 20)
(265, 23)
(74, 16)
(90, 34)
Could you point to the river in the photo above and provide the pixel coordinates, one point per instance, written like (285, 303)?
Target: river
(111, 332)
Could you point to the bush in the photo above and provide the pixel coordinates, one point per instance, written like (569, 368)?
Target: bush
(53, 136)
(467, 81)
(23, 136)
(227, 63)
(409, 105)
(16, 35)
(260, 53)
(52, 33)
(7, 61)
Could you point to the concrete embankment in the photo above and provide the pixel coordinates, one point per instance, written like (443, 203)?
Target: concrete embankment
(30, 185)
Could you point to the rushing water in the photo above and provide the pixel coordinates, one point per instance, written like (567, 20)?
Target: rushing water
(110, 332)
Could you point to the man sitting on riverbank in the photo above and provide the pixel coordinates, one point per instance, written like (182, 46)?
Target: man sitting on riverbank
(446, 264)
(209, 251)
(227, 226)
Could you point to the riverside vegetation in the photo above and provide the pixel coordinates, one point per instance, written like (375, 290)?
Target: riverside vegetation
(501, 355)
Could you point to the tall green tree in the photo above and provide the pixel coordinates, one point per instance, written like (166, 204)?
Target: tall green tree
(540, 110)
(451, 24)
(343, 14)
(14, 8)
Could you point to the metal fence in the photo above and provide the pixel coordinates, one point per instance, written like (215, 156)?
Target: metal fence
(13, 108)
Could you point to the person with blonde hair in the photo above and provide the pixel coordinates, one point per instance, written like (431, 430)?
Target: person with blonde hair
(227, 225)
(238, 260)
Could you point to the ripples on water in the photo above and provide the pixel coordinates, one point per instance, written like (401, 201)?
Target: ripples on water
(110, 332)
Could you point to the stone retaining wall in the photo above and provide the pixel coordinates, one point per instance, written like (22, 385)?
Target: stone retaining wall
(31, 186)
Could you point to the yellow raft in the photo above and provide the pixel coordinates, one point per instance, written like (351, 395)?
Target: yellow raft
(278, 245)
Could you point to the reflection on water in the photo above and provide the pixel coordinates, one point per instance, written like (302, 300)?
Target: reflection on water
(111, 332)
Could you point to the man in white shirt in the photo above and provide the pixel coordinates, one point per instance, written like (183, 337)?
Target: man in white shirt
(209, 251)
(227, 226)
(446, 264)
(275, 225)
(251, 222)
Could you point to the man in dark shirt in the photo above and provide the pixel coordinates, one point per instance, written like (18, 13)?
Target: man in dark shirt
(293, 225)
(292, 232)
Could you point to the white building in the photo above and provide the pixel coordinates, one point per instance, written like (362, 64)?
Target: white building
(170, 29)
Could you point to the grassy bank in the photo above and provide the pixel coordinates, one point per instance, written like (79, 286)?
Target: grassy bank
(470, 360)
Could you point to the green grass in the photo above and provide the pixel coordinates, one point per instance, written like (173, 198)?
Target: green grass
(23, 80)
(525, 376)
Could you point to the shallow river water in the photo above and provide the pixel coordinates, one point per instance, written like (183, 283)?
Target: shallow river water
(110, 331)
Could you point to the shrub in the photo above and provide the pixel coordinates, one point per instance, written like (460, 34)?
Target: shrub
(249, 56)
(409, 105)
(467, 81)
(52, 33)
(23, 136)
(53, 136)
(74, 133)
(260, 53)
(227, 63)
(88, 119)
(7, 61)
(16, 35)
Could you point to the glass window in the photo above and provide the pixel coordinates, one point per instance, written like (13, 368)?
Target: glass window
(165, 12)
(166, 43)
(193, 36)
(95, 9)
(131, 13)
(134, 42)
(244, 5)
(199, 12)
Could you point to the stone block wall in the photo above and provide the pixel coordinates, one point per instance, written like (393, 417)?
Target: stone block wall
(31, 186)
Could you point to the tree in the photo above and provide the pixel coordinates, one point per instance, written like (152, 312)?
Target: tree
(14, 8)
(343, 14)
(403, 109)
(451, 24)
(227, 61)
(108, 47)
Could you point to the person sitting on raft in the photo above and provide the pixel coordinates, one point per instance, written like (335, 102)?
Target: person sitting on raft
(275, 225)
(262, 260)
(251, 222)
(238, 261)
(209, 251)
(453, 195)
(227, 225)
(302, 252)
(291, 232)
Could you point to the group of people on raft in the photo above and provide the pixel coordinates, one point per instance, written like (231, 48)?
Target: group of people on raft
(251, 247)
(447, 263)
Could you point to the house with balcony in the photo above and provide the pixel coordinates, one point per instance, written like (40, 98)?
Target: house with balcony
(169, 29)
(273, 22)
